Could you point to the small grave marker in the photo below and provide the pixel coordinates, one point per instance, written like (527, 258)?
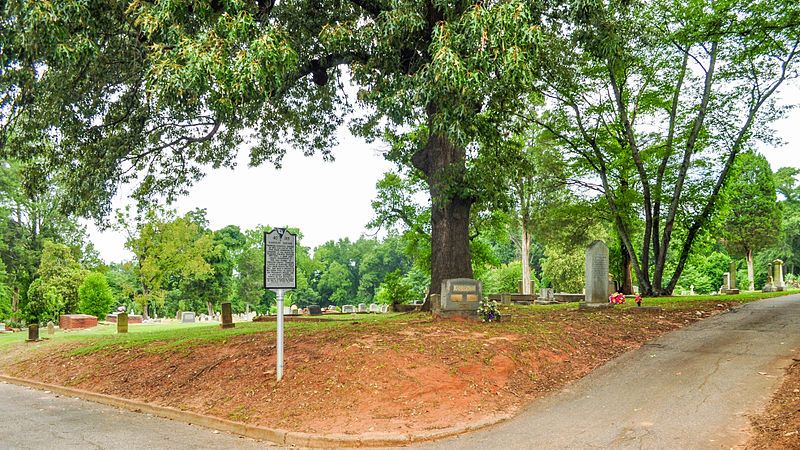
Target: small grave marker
(188, 316)
(227, 316)
(122, 323)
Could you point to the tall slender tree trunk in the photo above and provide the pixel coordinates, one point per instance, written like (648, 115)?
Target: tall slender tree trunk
(15, 303)
(526, 259)
(750, 274)
(625, 267)
(443, 165)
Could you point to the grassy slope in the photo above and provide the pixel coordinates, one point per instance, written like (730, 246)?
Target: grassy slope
(158, 338)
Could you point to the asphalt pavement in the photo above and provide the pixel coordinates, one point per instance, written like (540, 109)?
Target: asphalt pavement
(32, 419)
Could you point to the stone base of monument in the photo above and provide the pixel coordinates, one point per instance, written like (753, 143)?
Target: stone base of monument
(545, 302)
(592, 306)
(779, 288)
(730, 291)
(451, 314)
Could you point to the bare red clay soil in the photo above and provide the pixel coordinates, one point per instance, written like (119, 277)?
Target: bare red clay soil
(779, 426)
(397, 376)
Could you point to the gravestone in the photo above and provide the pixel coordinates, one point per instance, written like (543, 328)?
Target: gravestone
(362, 307)
(384, 309)
(51, 329)
(519, 287)
(769, 286)
(546, 296)
(2, 327)
(691, 290)
(777, 275)
(295, 310)
(596, 271)
(33, 332)
(227, 316)
(314, 310)
(373, 307)
(122, 323)
(460, 297)
(729, 281)
(287, 310)
(188, 316)
(612, 285)
(348, 309)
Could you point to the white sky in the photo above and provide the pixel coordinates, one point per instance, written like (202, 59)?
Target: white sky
(332, 200)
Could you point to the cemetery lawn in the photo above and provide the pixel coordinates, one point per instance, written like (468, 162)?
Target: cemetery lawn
(358, 373)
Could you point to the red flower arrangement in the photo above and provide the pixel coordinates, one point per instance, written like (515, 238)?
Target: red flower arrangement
(616, 298)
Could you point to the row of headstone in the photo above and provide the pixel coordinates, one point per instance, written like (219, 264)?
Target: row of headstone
(363, 308)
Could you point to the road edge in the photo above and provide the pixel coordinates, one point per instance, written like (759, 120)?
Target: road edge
(278, 436)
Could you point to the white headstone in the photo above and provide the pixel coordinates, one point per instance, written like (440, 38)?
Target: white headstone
(349, 309)
(596, 274)
(373, 307)
(362, 307)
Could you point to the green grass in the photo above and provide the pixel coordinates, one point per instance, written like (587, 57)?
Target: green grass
(685, 301)
(178, 337)
(158, 338)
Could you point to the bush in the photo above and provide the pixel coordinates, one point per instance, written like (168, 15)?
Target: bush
(95, 296)
(42, 303)
(394, 290)
(505, 279)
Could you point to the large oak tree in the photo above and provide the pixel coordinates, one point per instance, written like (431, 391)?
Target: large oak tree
(157, 91)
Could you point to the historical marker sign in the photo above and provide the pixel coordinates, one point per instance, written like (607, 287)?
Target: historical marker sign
(280, 269)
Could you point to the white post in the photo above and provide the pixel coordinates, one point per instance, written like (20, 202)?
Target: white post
(279, 366)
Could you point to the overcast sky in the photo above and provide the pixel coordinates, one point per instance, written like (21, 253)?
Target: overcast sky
(330, 200)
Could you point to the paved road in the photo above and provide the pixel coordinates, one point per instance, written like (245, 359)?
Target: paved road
(31, 419)
(692, 388)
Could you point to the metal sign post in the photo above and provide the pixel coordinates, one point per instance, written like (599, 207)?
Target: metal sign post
(279, 365)
(280, 274)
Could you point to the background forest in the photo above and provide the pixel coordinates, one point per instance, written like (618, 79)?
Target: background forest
(180, 263)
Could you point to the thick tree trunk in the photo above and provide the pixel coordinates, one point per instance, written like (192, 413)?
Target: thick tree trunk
(444, 167)
(750, 275)
(526, 260)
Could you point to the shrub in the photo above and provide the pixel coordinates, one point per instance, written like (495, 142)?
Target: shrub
(95, 296)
